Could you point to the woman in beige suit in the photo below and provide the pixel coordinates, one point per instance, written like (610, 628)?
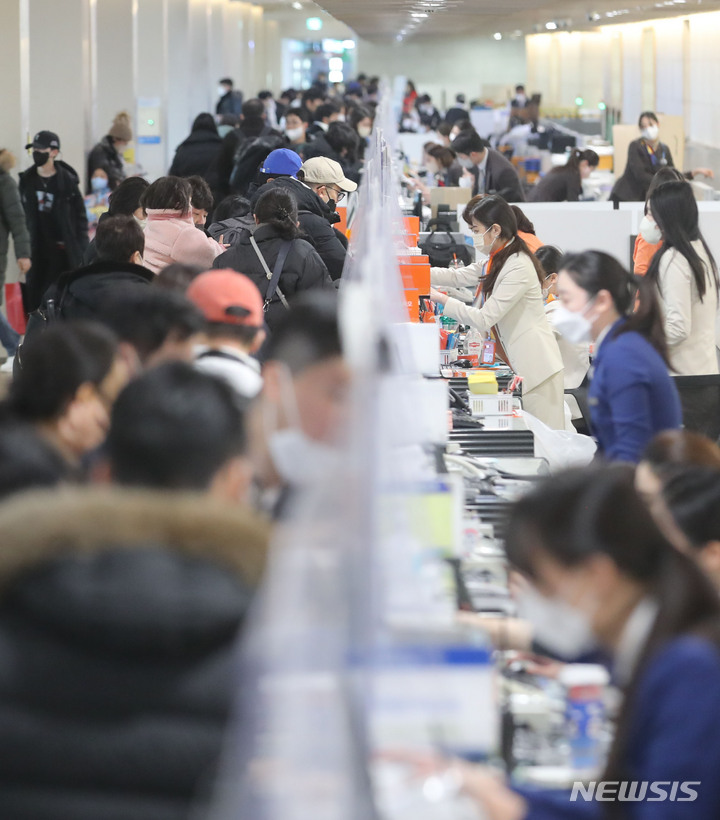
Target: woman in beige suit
(509, 306)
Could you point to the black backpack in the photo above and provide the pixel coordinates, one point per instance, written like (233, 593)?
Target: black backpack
(442, 249)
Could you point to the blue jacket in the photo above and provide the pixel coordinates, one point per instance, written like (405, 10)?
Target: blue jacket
(631, 396)
(674, 736)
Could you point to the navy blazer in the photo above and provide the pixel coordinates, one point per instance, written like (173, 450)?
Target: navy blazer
(632, 397)
(674, 736)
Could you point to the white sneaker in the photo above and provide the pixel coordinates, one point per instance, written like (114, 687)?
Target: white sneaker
(8, 366)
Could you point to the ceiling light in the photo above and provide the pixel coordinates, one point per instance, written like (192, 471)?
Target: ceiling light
(418, 15)
(497, 36)
(551, 26)
(297, 6)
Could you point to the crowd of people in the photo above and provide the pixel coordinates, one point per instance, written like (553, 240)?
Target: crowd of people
(182, 377)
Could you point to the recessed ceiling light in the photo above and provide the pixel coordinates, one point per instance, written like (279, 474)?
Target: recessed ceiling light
(297, 6)
(418, 15)
(497, 36)
(551, 26)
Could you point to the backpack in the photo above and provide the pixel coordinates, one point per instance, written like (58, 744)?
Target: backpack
(442, 249)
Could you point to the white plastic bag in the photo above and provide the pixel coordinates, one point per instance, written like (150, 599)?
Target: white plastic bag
(560, 448)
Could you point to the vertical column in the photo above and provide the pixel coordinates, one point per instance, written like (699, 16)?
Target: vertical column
(113, 58)
(14, 46)
(259, 49)
(151, 86)
(202, 88)
(216, 42)
(180, 112)
(273, 57)
(15, 120)
(232, 42)
(59, 80)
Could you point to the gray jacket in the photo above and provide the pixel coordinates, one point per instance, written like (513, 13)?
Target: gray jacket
(12, 221)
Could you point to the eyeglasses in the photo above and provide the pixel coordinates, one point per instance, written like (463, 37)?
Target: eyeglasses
(340, 194)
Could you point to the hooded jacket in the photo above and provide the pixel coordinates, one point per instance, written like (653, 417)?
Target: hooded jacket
(196, 154)
(68, 211)
(303, 269)
(316, 222)
(171, 236)
(104, 155)
(119, 615)
(12, 218)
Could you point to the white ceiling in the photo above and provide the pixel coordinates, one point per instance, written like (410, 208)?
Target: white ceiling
(384, 20)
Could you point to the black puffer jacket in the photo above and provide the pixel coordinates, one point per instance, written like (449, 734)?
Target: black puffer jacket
(119, 617)
(303, 269)
(316, 222)
(196, 155)
(82, 294)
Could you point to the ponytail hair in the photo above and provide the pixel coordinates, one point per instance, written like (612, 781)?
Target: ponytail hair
(577, 156)
(278, 208)
(633, 297)
(494, 210)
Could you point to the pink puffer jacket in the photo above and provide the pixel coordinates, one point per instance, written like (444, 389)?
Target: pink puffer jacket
(171, 237)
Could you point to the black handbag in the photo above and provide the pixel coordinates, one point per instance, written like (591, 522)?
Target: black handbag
(442, 249)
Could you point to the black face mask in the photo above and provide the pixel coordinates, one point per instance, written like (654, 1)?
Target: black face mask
(40, 158)
(332, 205)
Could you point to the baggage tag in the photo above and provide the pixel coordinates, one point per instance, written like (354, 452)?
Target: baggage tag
(488, 352)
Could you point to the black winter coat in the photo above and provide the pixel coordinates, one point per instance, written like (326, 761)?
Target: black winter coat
(104, 155)
(68, 211)
(303, 269)
(119, 616)
(196, 155)
(82, 293)
(316, 222)
(12, 221)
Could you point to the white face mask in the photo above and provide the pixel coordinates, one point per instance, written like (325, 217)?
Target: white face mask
(557, 626)
(650, 231)
(573, 325)
(141, 222)
(651, 133)
(465, 182)
(299, 460)
(294, 133)
(364, 131)
(545, 294)
(482, 251)
(465, 162)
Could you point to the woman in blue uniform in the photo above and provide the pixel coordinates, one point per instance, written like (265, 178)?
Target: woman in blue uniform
(632, 397)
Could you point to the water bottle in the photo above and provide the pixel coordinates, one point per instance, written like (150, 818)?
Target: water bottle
(585, 714)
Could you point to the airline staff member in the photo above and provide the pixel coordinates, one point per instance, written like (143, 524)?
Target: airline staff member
(510, 305)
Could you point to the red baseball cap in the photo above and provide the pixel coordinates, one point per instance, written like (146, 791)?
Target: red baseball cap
(228, 297)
